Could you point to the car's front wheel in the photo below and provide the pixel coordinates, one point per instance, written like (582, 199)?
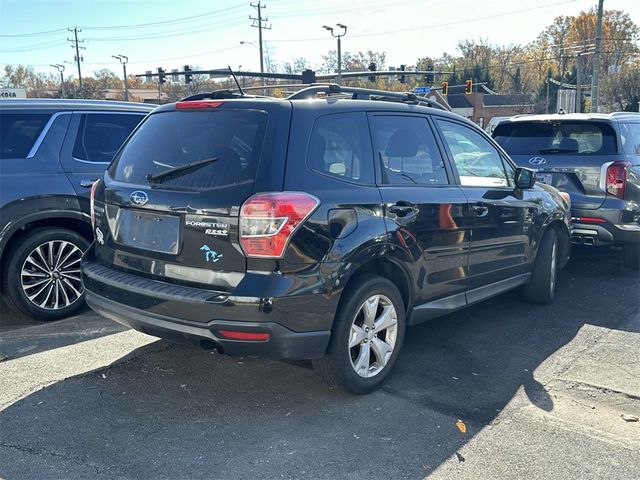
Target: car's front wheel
(542, 284)
(42, 278)
(366, 338)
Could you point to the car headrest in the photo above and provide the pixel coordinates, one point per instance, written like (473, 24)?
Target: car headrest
(403, 143)
(570, 144)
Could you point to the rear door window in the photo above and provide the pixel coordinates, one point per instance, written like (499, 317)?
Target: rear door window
(100, 135)
(630, 136)
(407, 151)
(172, 139)
(19, 132)
(556, 138)
(340, 147)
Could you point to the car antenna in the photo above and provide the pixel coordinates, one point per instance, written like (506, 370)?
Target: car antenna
(234, 77)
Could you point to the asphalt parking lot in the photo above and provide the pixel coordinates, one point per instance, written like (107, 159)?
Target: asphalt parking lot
(536, 391)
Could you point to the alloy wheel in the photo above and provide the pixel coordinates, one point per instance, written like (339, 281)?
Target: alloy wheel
(50, 275)
(373, 335)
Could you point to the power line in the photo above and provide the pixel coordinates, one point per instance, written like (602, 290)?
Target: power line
(166, 22)
(33, 34)
(434, 25)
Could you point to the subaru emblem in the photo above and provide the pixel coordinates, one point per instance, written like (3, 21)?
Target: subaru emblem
(537, 161)
(139, 198)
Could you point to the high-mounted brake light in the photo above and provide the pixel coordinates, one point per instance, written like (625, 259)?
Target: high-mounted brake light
(268, 220)
(613, 178)
(198, 104)
(92, 203)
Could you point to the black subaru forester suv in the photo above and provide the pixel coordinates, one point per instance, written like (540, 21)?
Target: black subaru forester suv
(314, 228)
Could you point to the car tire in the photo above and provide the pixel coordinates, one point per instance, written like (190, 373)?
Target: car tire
(632, 255)
(542, 284)
(366, 338)
(42, 276)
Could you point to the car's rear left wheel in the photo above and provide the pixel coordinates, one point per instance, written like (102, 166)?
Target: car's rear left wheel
(366, 338)
(42, 278)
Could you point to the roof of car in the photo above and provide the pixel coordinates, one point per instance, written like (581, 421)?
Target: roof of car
(69, 104)
(334, 103)
(616, 116)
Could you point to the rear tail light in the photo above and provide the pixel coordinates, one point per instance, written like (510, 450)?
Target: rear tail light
(92, 204)
(268, 220)
(613, 178)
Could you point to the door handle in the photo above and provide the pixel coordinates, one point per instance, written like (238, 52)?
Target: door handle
(480, 210)
(88, 183)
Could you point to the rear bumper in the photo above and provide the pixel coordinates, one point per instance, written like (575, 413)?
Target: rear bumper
(606, 226)
(282, 343)
(295, 312)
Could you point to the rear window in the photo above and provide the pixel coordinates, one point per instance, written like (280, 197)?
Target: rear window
(556, 138)
(630, 136)
(169, 140)
(19, 132)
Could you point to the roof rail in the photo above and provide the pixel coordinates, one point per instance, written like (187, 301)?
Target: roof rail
(363, 94)
(215, 95)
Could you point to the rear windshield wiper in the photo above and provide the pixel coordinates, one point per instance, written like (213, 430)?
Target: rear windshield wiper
(179, 170)
(558, 150)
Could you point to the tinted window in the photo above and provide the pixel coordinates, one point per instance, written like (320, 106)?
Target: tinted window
(407, 151)
(171, 139)
(19, 132)
(100, 135)
(477, 161)
(630, 136)
(339, 147)
(556, 138)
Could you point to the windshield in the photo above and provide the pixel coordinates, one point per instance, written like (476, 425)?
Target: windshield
(174, 139)
(556, 138)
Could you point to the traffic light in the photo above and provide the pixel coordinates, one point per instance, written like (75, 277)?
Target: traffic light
(445, 88)
(403, 79)
(468, 87)
(372, 67)
(161, 76)
(308, 76)
(429, 77)
(187, 74)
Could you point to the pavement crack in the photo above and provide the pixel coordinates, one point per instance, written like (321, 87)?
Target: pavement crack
(50, 453)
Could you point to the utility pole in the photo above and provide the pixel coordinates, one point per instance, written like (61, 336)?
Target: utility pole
(260, 24)
(338, 36)
(60, 69)
(546, 108)
(578, 85)
(595, 78)
(123, 60)
(78, 58)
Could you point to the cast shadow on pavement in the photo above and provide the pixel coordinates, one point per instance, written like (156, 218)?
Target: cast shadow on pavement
(180, 412)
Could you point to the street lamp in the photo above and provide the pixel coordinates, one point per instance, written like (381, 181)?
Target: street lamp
(60, 69)
(123, 60)
(338, 36)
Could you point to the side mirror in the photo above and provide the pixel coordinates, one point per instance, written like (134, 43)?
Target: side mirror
(524, 178)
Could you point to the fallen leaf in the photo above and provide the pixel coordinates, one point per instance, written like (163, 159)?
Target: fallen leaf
(461, 426)
(460, 457)
(629, 418)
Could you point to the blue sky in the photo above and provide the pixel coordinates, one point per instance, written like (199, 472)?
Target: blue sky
(207, 33)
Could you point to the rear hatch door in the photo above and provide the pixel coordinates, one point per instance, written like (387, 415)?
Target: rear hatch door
(567, 154)
(172, 195)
